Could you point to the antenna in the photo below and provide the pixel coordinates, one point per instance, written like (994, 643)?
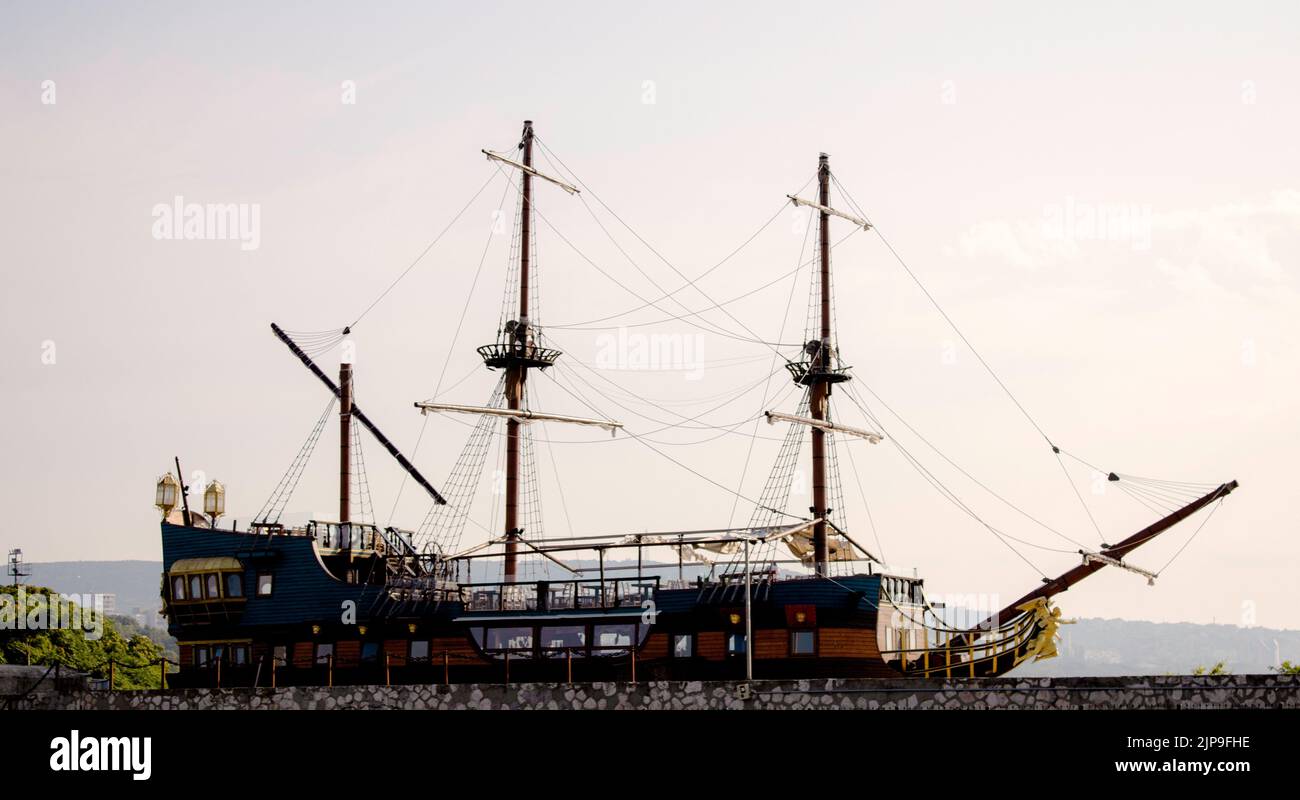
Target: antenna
(17, 570)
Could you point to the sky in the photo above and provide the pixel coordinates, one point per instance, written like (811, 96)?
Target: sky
(1104, 199)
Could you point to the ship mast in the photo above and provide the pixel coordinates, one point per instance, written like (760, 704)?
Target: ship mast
(517, 371)
(819, 400)
(821, 370)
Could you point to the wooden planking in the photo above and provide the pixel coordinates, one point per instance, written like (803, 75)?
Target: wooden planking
(459, 650)
(186, 655)
(396, 650)
(771, 643)
(656, 646)
(347, 653)
(304, 654)
(711, 645)
(847, 643)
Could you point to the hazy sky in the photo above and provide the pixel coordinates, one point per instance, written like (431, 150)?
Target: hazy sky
(978, 139)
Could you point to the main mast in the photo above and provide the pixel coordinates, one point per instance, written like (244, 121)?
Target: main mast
(516, 349)
(819, 400)
(517, 372)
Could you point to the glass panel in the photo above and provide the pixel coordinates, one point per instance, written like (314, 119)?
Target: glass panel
(612, 639)
(234, 585)
(802, 643)
(201, 656)
(370, 651)
(420, 651)
(264, 584)
(682, 645)
(280, 655)
(509, 638)
(323, 652)
(218, 652)
(214, 587)
(560, 639)
(736, 643)
(239, 655)
(178, 588)
(196, 587)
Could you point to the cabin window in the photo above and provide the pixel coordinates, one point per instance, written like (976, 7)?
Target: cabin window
(736, 644)
(201, 657)
(234, 585)
(420, 651)
(239, 655)
(369, 652)
(280, 654)
(218, 652)
(323, 653)
(264, 584)
(196, 587)
(683, 645)
(613, 639)
(803, 643)
(560, 640)
(178, 588)
(513, 639)
(214, 586)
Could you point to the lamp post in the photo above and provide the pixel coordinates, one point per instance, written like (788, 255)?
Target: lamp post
(165, 494)
(214, 501)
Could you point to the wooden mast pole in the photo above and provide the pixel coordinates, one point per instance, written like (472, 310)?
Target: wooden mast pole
(517, 372)
(820, 394)
(345, 441)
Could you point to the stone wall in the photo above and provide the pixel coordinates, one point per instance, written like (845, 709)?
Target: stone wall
(1176, 691)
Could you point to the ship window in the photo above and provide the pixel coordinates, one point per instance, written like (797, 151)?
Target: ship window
(218, 652)
(802, 643)
(196, 587)
(264, 584)
(559, 640)
(239, 655)
(369, 652)
(214, 586)
(280, 655)
(323, 653)
(736, 644)
(420, 651)
(509, 639)
(234, 585)
(613, 639)
(200, 656)
(683, 645)
(178, 588)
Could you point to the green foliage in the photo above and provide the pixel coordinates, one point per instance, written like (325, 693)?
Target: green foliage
(1287, 668)
(1218, 669)
(135, 653)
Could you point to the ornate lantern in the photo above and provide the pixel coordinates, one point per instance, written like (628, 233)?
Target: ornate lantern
(166, 494)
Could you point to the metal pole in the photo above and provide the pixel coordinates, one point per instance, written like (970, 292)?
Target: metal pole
(749, 629)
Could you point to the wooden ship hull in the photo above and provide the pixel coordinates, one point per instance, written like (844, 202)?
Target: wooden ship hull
(348, 602)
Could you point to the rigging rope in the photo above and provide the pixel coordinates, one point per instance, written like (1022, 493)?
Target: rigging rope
(289, 481)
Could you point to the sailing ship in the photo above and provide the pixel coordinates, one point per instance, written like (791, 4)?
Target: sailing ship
(790, 595)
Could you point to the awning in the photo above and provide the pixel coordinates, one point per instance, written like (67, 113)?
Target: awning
(210, 564)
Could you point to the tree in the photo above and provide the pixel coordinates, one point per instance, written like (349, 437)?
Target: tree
(136, 657)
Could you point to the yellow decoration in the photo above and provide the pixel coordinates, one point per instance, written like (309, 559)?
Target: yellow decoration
(1048, 619)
